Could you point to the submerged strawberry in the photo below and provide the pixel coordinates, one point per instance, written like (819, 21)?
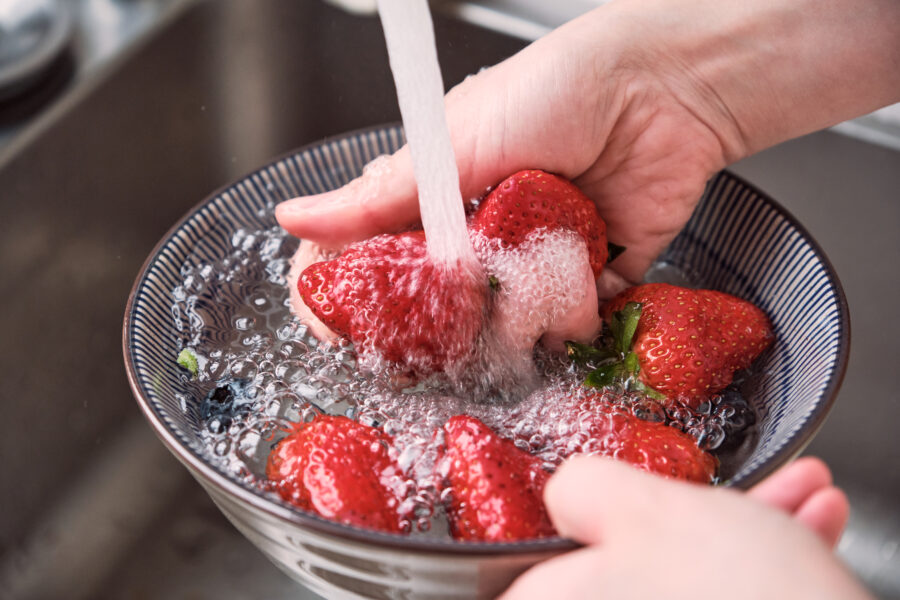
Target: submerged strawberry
(650, 446)
(683, 343)
(340, 469)
(532, 200)
(391, 299)
(497, 489)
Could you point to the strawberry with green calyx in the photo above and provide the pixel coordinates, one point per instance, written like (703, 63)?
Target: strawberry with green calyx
(616, 364)
(687, 343)
(339, 469)
(496, 488)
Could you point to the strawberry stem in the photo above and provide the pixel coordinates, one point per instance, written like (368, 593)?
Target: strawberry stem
(623, 325)
(615, 365)
(589, 355)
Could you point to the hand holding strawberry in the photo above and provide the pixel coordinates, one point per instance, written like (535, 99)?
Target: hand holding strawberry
(392, 301)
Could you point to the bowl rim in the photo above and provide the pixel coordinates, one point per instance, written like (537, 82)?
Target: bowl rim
(210, 476)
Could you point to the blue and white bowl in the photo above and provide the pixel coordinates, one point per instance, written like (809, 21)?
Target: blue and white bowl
(738, 241)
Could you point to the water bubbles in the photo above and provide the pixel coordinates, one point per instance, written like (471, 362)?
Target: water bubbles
(222, 447)
(244, 323)
(263, 373)
(648, 410)
(244, 369)
(217, 425)
(261, 303)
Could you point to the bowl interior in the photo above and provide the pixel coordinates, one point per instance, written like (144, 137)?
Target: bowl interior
(738, 241)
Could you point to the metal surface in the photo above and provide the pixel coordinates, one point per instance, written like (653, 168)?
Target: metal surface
(220, 88)
(32, 34)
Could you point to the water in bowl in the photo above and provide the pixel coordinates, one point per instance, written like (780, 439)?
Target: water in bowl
(261, 371)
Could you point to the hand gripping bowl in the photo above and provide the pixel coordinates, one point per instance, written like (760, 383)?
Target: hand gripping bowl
(738, 241)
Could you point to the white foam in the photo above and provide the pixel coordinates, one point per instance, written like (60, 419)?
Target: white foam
(546, 290)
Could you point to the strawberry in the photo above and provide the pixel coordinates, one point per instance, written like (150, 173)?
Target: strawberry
(532, 200)
(650, 446)
(683, 343)
(497, 489)
(339, 469)
(392, 300)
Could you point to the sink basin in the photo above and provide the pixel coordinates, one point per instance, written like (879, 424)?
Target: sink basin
(93, 505)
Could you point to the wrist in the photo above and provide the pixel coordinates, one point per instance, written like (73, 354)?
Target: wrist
(758, 73)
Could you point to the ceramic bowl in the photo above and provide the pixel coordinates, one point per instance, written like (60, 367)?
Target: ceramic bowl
(738, 241)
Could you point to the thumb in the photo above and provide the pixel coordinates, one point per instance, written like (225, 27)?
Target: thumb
(383, 199)
(594, 500)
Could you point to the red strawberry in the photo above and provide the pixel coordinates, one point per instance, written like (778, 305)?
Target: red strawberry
(390, 299)
(497, 489)
(654, 447)
(688, 343)
(340, 469)
(530, 200)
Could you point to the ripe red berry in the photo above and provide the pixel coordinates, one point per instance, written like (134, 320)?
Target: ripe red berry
(497, 489)
(339, 469)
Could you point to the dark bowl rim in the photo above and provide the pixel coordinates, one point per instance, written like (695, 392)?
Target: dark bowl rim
(297, 517)
(817, 417)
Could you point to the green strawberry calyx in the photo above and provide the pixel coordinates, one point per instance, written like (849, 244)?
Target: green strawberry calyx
(615, 364)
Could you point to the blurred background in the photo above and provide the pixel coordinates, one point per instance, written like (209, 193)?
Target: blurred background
(117, 116)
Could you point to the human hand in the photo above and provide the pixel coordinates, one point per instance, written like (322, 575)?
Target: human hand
(646, 537)
(639, 103)
(561, 105)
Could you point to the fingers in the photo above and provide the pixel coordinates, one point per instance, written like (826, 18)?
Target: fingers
(789, 487)
(592, 500)
(611, 283)
(804, 489)
(382, 200)
(825, 513)
(567, 576)
(493, 135)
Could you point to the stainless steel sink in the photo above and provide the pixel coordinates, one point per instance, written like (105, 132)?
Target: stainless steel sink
(92, 505)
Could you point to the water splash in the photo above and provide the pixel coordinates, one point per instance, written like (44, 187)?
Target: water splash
(409, 34)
